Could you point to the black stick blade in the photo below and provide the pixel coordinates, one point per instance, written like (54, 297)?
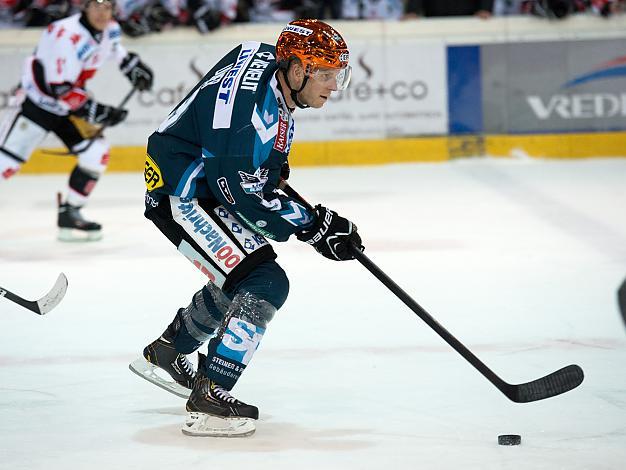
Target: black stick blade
(561, 381)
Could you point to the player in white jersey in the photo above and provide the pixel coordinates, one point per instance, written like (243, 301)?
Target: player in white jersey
(53, 98)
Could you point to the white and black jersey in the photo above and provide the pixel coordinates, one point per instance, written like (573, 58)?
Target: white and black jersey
(68, 54)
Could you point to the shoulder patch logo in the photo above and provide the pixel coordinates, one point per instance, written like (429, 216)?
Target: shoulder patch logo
(152, 174)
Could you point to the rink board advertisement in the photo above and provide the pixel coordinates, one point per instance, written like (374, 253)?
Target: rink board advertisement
(397, 90)
(411, 97)
(567, 86)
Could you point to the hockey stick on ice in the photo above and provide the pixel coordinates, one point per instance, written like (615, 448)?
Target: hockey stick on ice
(46, 303)
(561, 381)
(556, 383)
(98, 134)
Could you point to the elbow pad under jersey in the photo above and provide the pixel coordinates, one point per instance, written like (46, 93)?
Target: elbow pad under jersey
(74, 97)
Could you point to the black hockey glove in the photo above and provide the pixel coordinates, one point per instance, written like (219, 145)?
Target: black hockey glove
(101, 114)
(331, 235)
(139, 74)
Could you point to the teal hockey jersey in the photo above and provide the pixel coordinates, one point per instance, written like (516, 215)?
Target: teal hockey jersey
(227, 141)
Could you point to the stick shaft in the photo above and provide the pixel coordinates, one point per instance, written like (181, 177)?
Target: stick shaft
(551, 385)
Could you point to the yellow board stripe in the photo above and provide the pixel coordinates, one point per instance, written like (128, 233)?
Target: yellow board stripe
(597, 144)
(376, 152)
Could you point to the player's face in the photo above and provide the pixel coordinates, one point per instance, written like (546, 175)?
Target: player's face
(319, 87)
(99, 13)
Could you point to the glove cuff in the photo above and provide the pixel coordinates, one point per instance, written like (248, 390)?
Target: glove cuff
(129, 62)
(320, 226)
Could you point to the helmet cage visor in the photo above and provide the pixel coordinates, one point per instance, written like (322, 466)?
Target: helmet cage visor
(341, 77)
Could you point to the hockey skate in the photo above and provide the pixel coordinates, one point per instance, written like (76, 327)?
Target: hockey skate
(212, 411)
(165, 367)
(73, 227)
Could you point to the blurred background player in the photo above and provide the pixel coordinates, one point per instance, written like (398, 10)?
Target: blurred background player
(53, 98)
(139, 17)
(213, 172)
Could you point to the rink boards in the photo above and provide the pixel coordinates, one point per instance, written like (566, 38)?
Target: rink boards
(430, 90)
(425, 149)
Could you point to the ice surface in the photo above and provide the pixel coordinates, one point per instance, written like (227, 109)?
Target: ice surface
(519, 259)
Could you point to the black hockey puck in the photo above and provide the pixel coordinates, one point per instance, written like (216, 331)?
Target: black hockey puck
(509, 439)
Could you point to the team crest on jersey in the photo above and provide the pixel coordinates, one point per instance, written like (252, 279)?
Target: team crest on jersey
(253, 184)
(152, 174)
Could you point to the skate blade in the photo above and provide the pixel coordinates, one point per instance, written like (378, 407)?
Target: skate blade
(73, 235)
(147, 371)
(204, 425)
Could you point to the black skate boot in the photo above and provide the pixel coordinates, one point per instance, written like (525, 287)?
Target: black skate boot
(213, 411)
(161, 354)
(72, 225)
(210, 398)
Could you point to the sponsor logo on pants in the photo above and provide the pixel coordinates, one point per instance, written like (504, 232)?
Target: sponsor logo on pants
(209, 236)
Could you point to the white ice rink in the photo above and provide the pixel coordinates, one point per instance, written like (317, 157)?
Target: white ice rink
(519, 259)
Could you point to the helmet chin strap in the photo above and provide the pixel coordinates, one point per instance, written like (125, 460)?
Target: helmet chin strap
(294, 92)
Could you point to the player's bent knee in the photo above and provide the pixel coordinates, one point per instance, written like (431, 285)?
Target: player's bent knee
(268, 281)
(253, 309)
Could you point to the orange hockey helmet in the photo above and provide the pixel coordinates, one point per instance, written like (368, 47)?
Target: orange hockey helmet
(317, 45)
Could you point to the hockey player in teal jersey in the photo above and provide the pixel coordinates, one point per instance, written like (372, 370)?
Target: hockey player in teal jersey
(212, 172)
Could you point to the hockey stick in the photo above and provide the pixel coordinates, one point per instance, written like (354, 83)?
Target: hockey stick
(44, 304)
(621, 300)
(556, 383)
(98, 134)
